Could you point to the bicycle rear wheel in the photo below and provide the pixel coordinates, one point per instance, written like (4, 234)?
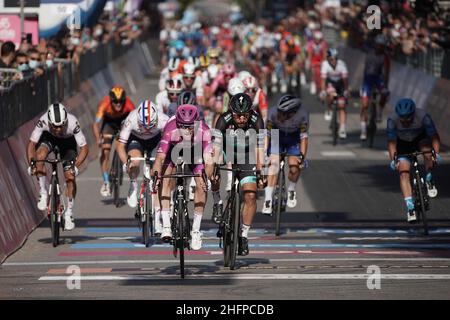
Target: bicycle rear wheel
(235, 223)
(279, 206)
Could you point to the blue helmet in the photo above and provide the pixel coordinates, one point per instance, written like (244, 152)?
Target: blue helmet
(405, 107)
(179, 45)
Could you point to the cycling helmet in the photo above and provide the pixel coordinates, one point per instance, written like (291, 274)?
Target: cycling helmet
(188, 69)
(250, 82)
(186, 115)
(213, 70)
(194, 61)
(174, 85)
(240, 103)
(179, 45)
(174, 63)
(228, 69)
(147, 114)
(57, 115)
(204, 61)
(289, 103)
(243, 74)
(235, 86)
(332, 53)
(213, 53)
(187, 97)
(117, 94)
(405, 107)
(318, 35)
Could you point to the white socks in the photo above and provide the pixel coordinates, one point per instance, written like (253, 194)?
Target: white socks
(268, 192)
(291, 185)
(197, 221)
(166, 218)
(70, 204)
(43, 184)
(245, 229)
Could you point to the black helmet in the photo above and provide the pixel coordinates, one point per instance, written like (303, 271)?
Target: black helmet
(187, 97)
(289, 103)
(240, 103)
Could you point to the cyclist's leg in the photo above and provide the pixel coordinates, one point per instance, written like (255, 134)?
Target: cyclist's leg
(134, 149)
(43, 148)
(366, 90)
(424, 145)
(68, 149)
(165, 199)
(107, 133)
(200, 198)
(404, 168)
(384, 96)
(249, 190)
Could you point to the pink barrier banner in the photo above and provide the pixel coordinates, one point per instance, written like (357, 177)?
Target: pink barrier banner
(10, 29)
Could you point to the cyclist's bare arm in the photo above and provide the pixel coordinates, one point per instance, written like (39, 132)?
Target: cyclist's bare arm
(31, 151)
(436, 142)
(392, 148)
(121, 152)
(304, 146)
(159, 160)
(84, 151)
(96, 130)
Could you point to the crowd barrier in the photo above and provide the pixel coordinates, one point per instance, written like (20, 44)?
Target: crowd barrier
(18, 212)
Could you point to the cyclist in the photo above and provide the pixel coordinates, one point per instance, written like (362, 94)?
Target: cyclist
(112, 110)
(185, 97)
(193, 82)
(291, 119)
(334, 75)
(220, 86)
(239, 120)
(165, 98)
(290, 53)
(57, 128)
(376, 75)
(168, 72)
(317, 51)
(141, 132)
(184, 132)
(410, 130)
(258, 96)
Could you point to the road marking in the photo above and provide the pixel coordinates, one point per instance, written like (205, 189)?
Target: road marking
(94, 262)
(391, 238)
(137, 230)
(338, 154)
(272, 245)
(82, 270)
(370, 231)
(236, 276)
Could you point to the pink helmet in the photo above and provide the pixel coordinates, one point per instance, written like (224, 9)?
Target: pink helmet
(187, 114)
(228, 69)
(250, 82)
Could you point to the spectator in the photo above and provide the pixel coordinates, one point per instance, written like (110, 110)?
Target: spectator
(7, 54)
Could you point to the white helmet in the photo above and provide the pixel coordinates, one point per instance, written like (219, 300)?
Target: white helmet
(235, 86)
(147, 114)
(189, 69)
(318, 35)
(213, 70)
(243, 74)
(215, 30)
(174, 63)
(174, 85)
(195, 61)
(250, 82)
(57, 114)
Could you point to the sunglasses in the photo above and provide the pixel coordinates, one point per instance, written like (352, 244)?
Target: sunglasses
(189, 76)
(241, 115)
(186, 126)
(173, 94)
(254, 90)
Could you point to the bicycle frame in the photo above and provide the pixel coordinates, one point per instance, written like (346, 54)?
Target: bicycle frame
(280, 194)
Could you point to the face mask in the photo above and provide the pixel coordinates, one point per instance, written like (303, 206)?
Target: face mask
(23, 67)
(98, 32)
(114, 28)
(49, 63)
(75, 41)
(33, 64)
(135, 28)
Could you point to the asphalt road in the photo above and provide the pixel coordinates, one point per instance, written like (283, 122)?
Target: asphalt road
(350, 216)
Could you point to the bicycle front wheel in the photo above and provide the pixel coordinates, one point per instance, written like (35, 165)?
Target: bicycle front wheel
(280, 186)
(181, 236)
(334, 125)
(420, 192)
(54, 218)
(236, 223)
(115, 179)
(145, 219)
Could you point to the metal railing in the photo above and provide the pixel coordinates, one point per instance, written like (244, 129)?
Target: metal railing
(22, 100)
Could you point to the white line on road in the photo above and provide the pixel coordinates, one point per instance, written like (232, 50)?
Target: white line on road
(338, 154)
(51, 263)
(236, 276)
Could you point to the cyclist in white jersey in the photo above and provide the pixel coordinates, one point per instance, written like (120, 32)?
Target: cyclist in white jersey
(57, 128)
